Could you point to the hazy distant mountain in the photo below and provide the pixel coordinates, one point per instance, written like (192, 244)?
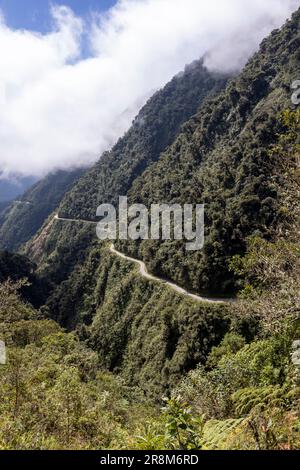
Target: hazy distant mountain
(10, 189)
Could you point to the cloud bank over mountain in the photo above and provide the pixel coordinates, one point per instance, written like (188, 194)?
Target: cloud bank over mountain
(61, 106)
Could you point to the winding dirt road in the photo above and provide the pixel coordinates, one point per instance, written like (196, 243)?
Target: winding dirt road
(78, 221)
(144, 271)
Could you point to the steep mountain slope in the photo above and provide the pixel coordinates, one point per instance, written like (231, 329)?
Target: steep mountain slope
(245, 396)
(152, 131)
(24, 217)
(141, 329)
(221, 157)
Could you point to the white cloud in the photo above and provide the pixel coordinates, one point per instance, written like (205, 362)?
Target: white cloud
(59, 110)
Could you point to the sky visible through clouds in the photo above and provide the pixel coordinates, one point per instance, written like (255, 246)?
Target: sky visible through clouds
(35, 14)
(74, 73)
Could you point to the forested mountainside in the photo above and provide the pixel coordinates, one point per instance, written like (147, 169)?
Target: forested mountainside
(221, 159)
(69, 261)
(61, 248)
(20, 220)
(153, 130)
(56, 392)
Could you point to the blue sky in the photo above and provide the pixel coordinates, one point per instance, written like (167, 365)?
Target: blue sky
(34, 14)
